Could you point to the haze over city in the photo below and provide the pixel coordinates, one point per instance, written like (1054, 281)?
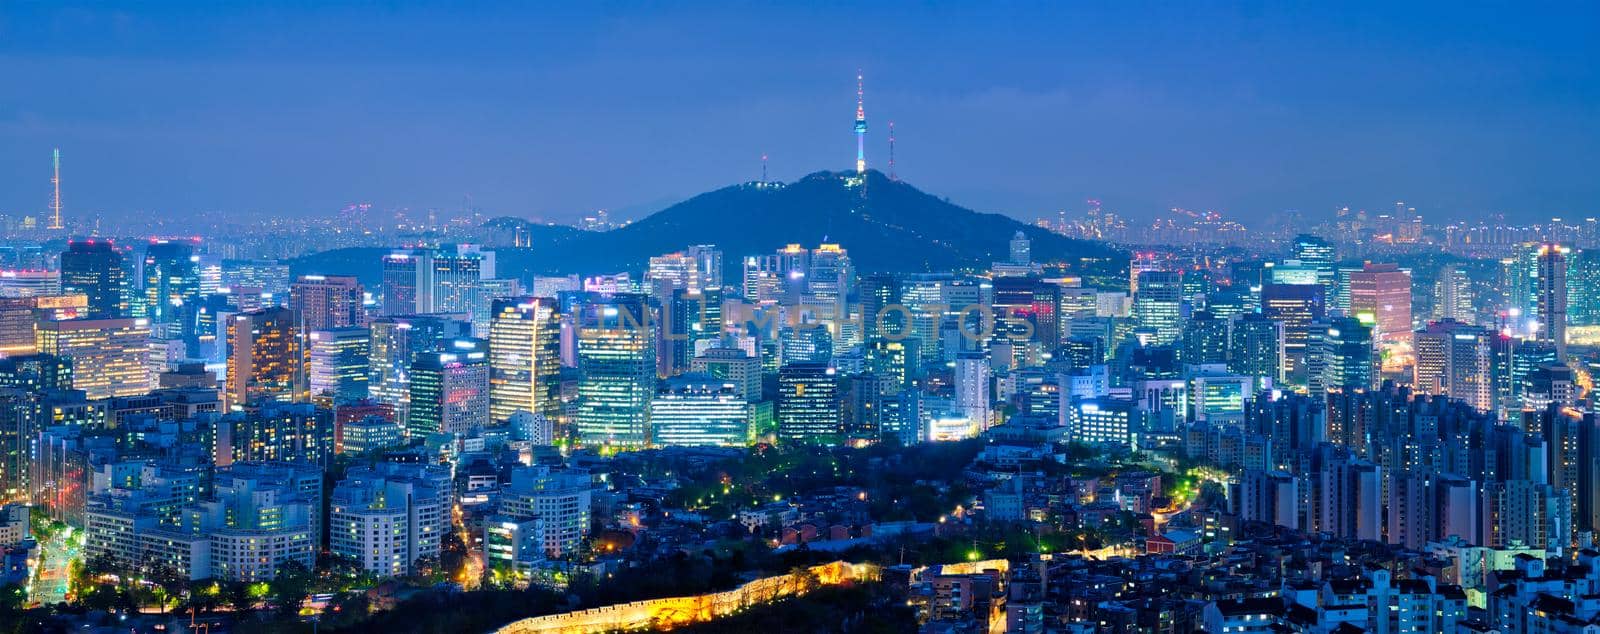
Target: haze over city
(552, 112)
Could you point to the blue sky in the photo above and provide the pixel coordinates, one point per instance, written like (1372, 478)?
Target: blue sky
(550, 110)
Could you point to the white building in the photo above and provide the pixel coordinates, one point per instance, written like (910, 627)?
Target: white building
(387, 522)
(560, 497)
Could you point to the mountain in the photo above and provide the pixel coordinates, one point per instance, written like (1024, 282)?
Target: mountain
(893, 227)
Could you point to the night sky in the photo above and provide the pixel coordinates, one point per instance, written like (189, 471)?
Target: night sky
(558, 109)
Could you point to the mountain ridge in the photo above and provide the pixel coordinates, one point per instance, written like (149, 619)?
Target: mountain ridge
(891, 227)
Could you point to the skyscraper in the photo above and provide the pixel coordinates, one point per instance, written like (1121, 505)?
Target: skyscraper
(19, 423)
(396, 342)
(1297, 306)
(1257, 347)
(1347, 362)
(972, 377)
(524, 357)
(401, 273)
(809, 404)
(1156, 304)
(616, 371)
(110, 356)
(1552, 298)
(1453, 359)
(1032, 299)
(339, 360)
(94, 268)
(328, 301)
(1204, 339)
(827, 281)
(449, 390)
(1316, 253)
(266, 359)
(171, 281)
(1383, 291)
(1452, 295)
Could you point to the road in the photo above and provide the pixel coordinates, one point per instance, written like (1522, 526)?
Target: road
(55, 562)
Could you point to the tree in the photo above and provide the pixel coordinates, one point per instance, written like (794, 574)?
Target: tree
(290, 587)
(239, 596)
(171, 582)
(12, 599)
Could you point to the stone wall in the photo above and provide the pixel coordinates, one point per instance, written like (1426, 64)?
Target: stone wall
(678, 611)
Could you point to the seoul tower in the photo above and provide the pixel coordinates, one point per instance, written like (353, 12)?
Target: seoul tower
(861, 128)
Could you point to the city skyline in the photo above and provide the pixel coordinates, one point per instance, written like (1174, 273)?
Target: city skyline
(351, 318)
(1273, 112)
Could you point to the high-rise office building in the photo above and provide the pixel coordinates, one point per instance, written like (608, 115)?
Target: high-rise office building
(616, 371)
(36, 372)
(275, 432)
(808, 408)
(1317, 254)
(973, 397)
(1156, 305)
(402, 271)
(1029, 299)
(1257, 347)
(1454, 359)
(454, 279)
(734, 366)
(696, 409)
(447, 280)
(524, 357)
(449, 390)
(171, 280)
(339, 362)
(1021, 249)
(895, 364)
(29, 283)
(17, 321)
(879, 292)
(1383, 292)
(1347, 360)
(1583, 287)
(1452, 295)
(267, 358)
(827, 281)
(1297, 306)
(763, 281)
(696, 270)
(805, 343)
(396, 342)
(95, 269)
(20, 420)
(1204, 339)
(111, 355)
(328, 301)
(1552, 298)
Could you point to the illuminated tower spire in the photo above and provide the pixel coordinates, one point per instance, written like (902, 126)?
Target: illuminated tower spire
(861, 127)
(55, 185)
